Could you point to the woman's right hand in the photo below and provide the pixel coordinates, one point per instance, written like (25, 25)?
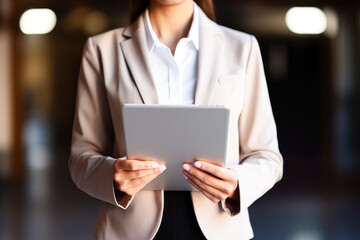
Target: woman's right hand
(131, 175)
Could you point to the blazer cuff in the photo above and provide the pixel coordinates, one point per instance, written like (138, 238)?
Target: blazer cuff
(122, 200)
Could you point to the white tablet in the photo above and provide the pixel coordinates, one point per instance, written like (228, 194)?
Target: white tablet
(175, 134)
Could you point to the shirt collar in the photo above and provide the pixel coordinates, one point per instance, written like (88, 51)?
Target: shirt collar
(153, 40)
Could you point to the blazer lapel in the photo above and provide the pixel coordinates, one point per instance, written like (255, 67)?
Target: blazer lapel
(209, 59)
(136, 55)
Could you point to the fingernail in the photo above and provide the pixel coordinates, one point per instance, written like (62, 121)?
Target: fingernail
(186, 177)
(197, 164)
(162, 168)
(156, 165)
(186, 167)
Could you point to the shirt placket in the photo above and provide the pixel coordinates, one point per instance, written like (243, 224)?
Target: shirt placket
(175, 86)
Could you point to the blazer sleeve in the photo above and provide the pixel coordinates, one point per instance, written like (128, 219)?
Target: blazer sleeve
(90, 164)
(261, 164)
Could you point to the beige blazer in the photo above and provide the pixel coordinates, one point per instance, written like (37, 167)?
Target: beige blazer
(115, 70)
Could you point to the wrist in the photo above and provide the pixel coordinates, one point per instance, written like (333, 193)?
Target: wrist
(235, 195)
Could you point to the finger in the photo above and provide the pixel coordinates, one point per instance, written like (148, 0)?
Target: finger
(133, 174)
(213, 169)
(208, 179)
(217, 193)
(207, 194)
(132, 164)
(131, 187)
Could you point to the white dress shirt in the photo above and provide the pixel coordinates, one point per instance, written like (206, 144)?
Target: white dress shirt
(175, 76)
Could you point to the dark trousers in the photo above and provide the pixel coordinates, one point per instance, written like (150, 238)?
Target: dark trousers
(179, 221)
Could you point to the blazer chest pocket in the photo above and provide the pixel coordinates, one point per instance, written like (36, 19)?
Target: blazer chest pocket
(230, 91)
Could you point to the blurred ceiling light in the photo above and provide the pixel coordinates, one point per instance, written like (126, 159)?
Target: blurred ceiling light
(37, 21)
(306, 20)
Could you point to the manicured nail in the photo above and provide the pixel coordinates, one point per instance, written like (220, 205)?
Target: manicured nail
(197, 164)
(186, 177)
(162, 168)
(156, 165)
(186, 167)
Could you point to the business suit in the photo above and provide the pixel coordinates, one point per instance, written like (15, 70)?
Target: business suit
(115, 70)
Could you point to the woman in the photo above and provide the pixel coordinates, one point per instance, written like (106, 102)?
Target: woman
(173, 53)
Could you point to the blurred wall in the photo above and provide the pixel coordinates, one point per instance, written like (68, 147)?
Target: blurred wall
(5, 92)
(5, 99)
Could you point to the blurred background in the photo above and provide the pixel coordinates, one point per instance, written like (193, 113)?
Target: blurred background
(311, 59)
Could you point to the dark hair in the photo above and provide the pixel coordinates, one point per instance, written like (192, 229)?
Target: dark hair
(138, 6)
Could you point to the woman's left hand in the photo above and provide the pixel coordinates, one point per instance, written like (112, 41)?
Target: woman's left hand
(215, 182)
